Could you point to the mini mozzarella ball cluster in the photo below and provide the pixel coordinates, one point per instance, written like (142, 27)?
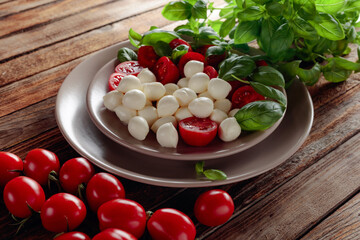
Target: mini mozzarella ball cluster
(196, 94)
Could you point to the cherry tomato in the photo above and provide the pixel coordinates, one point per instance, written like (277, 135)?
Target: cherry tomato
(21, 193)
(244, 95)
(214, 207)
(166, 71)
(235, 84)
(168, 223)
(62, 212)
(260, 63)
(176, 42)
(212, 60)
(73, 236)
(211, 72)
(197, 131)
(114, 80)
(114, 234)
(147, 56)
(101, 188)
(129, 68)
(75, 172)
(124, 214)
(39, 163)
(188, 57)
(10, 167)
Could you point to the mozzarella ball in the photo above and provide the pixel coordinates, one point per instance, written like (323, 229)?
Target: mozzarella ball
(199, 82)
(170, 88)
(134, 99)
(124, 113)
(146, 76)
(206, 94)
(218, 88)
(233, 112)
(218, 116)
(182, 113)
(192, 67)
(112, 99)
(163, 120)
(184, 96)
(138, 127)
(167, 135)
(201, 107)
(183, 82)
(223, 105)
(154, 91)
(229, 129)
(149, 113)
(167, 106)
(128, 83)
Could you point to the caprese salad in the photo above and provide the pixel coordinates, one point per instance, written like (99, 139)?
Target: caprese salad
(196, 90)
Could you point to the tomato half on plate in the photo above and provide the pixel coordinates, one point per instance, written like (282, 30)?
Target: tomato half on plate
(147, 56)
(244, 95)
(129, 68)
(166, 71)
(114, 80)
(197, 131)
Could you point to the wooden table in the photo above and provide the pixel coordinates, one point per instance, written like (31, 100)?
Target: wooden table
(312, 195)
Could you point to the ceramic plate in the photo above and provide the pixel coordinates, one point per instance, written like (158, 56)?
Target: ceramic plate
(109, 124)
(81, 133)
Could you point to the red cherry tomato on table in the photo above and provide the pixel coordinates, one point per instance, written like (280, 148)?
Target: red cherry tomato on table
(73, 236)
(214, 207)
(124, 214)
(188, 57)
(168, 223)
(114, 234)
(75, 172)
(176, 42)
(101, 188)
(166, 71)
(147, 56)
(21, 193)
(197, 131)
(10, 167)
(129, 68)
(211, 72)
(114, 80)
(244, 95)
(39, 163)
(62, 212)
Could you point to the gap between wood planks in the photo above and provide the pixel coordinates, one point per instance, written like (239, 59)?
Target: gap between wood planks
(14, 7)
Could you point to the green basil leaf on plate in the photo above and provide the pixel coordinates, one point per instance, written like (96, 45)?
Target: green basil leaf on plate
(269, 76)
(126, 54)
(269, 92)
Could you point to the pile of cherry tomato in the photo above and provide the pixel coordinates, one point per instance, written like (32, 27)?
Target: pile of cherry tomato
(22, 183)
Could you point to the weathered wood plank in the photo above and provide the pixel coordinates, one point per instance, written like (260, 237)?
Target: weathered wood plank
(12, 7)
(44, 14)
(343, 224)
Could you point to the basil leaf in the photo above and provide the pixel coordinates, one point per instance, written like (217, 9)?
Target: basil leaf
(214, 174)
(275, 8)
(199, 9)
(226, 26)
(268, 28)
(250, 14)
(269, 76)
(330, 6)
(199, 167)
(186, 32)
(134, 38)
(342, 63)
(239, 66)
(179, 51)
(259, 115)
(269, 92)
(309, 76)
(162, 49)
(304, 29)
(305, 8)
(214, 50)
(261, 2)
(126, 54)
(328, 27)
(289, 69)
(281, 41)
(208, 33)
(152, 37)
(246, 32)
(177, 10)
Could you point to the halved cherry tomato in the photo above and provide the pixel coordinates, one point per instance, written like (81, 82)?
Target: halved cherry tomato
(39, 163)
(114, 234)
(235, 84)
(114, 80)
(188, 57)
(212, 60)
(10, 167)
(176, 42)
(21, 193)
(73, 236)
(211, 72)
(129, 68)
(147, 56)
(75, 172)
(260, 63)
(101, 188)
(244, 95)
(124, 214)
(62, 212)
(166, 71)
(168, 223)
(197, 131)
(214, 207)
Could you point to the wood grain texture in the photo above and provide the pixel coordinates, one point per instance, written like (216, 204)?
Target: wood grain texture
(13, 7)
